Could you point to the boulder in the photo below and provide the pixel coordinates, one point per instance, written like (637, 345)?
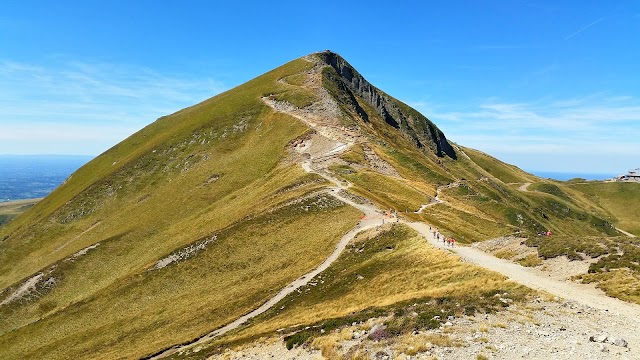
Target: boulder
(617, 341)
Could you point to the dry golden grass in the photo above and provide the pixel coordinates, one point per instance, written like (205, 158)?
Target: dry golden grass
(230, 268)
(621, 283)
(386, 191)
(443, 340)
(483, 327)
(328, 346)
(395, 266)
(507, 253)
(531, 260)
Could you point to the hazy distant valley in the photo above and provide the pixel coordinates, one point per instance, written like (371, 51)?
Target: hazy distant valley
(35, 176)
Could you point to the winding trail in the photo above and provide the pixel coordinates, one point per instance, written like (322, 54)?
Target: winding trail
(303, 280)
(435, 201)
(580, 293)
(524, 187)
(374, 217)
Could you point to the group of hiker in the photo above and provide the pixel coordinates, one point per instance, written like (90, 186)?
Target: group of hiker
(449, 242)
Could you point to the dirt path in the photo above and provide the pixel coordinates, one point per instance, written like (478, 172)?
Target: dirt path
(436, 200)
(374, 217)
(293, 286)
(583, 294)
(524, 187)
(626, 233)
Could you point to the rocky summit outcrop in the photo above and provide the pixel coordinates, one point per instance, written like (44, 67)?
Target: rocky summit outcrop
(413, 125)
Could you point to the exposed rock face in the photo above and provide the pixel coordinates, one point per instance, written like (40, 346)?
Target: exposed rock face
(411, 123)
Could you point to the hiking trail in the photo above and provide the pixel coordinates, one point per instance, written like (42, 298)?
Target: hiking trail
(328, 143)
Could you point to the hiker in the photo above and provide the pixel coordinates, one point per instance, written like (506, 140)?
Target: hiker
(453, 242)
(448, 241)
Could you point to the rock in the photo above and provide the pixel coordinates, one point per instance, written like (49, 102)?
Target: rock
(381, 355)
(617, 341)
(598, 338)
(414, 126)
(603, 348)
(448, 323)
(377, 327)
(450, 318)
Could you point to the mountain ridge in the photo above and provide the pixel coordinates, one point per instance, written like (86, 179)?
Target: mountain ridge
(217, 195)
(413, 124)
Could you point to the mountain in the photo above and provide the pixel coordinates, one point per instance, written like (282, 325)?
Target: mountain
(203, 215)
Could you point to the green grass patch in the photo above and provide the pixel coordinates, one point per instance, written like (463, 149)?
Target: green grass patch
(10, 210)
(548, 188)
(355, 154)
(617, 199)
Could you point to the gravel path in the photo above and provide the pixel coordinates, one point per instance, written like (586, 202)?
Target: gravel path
(582, 294)
(524, 187)
(585, 297)
(373, 217)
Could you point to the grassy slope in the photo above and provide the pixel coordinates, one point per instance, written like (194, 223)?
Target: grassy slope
(484, 206)
(126, 200)
(11, 210)
(142, 313)
(107, 303)
(618, 199)
(380, 273)
(504, 172)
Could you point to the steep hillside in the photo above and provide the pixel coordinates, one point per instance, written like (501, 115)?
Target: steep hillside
(205, 214)
(209, 191)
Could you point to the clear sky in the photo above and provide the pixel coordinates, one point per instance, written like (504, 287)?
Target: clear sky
(545, 85)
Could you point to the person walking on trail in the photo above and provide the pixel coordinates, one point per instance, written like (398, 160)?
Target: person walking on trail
(453, 242)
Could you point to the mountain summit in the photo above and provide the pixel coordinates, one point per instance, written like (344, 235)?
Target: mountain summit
(204, 215)
(411, 123)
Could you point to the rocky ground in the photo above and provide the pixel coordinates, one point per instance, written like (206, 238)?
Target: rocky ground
(543, 329)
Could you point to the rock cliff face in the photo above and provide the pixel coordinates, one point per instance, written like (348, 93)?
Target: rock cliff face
(411, 123)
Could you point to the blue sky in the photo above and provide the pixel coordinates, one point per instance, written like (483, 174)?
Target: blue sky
(545, 85)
